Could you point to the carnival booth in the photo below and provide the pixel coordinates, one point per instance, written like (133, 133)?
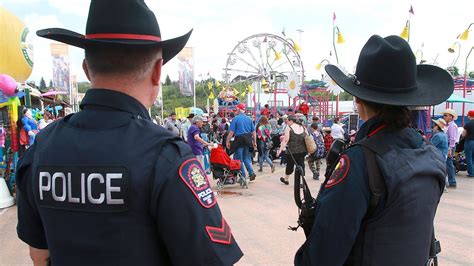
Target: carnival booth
(16, 65)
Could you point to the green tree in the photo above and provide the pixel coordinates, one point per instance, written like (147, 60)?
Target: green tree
(50, 84)
(471, 74)
(167, 80)
(42, 86)
(82, 87)
(454, 70)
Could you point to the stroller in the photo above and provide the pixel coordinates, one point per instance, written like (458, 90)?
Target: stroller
(225, 170)
(460, 162)
(276, 145)
(459, 159)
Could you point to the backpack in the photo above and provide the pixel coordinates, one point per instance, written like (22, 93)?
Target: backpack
(320, 147)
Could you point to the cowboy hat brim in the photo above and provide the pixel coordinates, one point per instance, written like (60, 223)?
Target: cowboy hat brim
(434, 86)
(170, 48)
(440, 125)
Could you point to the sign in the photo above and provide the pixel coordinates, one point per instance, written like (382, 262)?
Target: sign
(186, 71)
(61, 71)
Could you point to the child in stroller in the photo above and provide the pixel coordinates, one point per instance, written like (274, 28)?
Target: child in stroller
(224, 169)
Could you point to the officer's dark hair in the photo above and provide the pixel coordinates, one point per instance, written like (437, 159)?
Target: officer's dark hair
(395, 117)
(130, 61)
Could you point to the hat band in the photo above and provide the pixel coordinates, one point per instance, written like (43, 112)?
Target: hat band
(123, 36)
(357, 82)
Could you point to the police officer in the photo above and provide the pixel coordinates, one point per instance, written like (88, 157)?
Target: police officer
(106, 186)
(398, 230)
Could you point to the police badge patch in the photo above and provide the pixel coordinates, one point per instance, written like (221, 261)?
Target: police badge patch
(340, 172)
(195, 179)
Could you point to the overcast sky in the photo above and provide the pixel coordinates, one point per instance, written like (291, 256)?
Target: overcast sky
(219, 25)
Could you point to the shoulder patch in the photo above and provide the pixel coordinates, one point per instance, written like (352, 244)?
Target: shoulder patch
(340, 172)
(195, 178)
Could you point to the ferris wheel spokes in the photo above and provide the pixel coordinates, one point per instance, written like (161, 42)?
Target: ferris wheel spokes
(247, 63)
(253, 57)
(240, 70)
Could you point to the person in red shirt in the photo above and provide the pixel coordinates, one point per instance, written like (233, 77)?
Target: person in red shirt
(265, 111)
(328, 139)
(304, 108)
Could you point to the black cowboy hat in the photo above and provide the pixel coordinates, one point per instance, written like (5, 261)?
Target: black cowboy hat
(119, 22)
(387, 73)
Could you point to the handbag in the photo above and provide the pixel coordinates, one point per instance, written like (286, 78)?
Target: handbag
(310, 144)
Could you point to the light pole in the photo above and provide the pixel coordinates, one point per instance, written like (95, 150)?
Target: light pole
(318, 66)
(452, 50)
(340, 39)
(465, 36)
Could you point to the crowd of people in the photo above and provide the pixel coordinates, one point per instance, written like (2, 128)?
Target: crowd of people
(259, 139)
(455, 146)
(277, 134)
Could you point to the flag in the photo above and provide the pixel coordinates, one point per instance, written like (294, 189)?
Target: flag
(211, 96)
(411, 10)
(333, 16)
(218, 84)
(249, 88)
(209, 85)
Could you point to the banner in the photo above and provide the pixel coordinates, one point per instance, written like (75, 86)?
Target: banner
(61, 78)
(186, 71)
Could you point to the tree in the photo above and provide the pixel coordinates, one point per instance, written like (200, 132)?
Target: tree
(471, 74)
(454, 70)
(50, 84)
(42, 86)
(167, 80)
(82, 87)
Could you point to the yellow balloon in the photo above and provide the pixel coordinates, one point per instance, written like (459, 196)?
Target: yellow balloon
(16, 49)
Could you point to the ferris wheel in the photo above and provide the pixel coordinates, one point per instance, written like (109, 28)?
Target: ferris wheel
(268, 62)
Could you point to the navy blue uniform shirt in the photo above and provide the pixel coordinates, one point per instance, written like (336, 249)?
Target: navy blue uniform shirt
(399, 230)
(106, 186)
(341, 208)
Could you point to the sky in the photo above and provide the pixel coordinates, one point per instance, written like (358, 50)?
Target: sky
(220, 25)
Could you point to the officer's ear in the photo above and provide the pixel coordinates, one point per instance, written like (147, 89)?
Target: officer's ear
(156, 72)
(86, 69)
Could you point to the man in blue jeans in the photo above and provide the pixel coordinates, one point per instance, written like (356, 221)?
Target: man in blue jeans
(245, 137)
(469, 143)
(450, 116)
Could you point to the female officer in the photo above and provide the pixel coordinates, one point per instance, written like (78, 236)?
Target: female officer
(398, 230)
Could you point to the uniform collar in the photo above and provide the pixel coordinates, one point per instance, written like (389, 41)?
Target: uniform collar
(110, 99)
(370, 127)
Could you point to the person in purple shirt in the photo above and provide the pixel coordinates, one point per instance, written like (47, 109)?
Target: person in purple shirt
(450, 116)
(194, 139)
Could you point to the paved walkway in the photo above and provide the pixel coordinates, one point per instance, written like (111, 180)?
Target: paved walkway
(259, 217)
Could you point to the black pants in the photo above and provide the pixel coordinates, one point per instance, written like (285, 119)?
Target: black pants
(290, 163)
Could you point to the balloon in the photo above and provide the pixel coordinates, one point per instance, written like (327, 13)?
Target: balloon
(8, 85)
(16, 50)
